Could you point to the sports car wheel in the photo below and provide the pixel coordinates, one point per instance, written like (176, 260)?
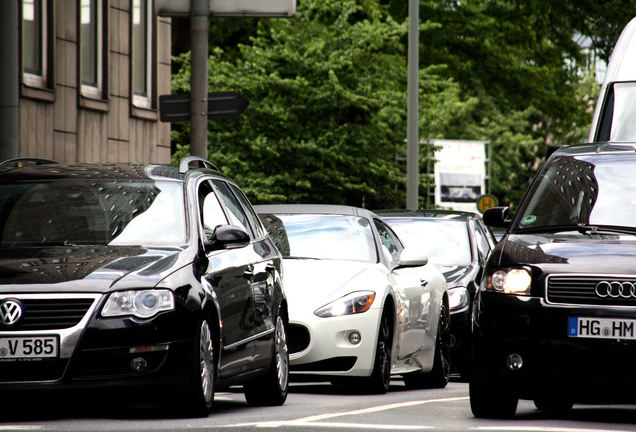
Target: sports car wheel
(380, 378)
(438, 376)
(271, 389)
(197, 396)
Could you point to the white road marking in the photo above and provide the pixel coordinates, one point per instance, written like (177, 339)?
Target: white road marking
(542, 429)
(316, 420)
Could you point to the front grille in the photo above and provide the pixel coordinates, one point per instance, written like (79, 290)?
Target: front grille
(297, 338)
(581, 290)
(334, 364)
(50, 313)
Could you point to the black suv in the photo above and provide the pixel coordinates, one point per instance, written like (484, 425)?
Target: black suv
(138, 275)
(555, 318)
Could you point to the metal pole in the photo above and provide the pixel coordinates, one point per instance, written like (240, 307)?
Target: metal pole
(9, 79)
(199, 78)
(412, 138)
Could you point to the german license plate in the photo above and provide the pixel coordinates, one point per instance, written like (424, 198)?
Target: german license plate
(602, 328)
(28, 347)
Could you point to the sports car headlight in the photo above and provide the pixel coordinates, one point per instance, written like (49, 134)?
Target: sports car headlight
(140, 303)
(354, 303)
(512, 281)
(458, 298)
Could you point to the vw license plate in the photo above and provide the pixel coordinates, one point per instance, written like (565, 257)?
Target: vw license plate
(602, 328)
(28, 347)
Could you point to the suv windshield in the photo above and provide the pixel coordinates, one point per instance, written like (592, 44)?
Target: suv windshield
(595, 190)
(91, 212)
(317, 236)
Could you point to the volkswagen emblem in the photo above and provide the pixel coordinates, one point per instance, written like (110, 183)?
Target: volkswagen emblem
(10, 312)
(615, 289)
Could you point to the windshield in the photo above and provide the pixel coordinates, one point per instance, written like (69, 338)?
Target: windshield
(444, 241)
(319, 236)
(91, 212)
(583, 190)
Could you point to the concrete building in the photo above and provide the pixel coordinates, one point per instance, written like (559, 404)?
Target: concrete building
(80, 80)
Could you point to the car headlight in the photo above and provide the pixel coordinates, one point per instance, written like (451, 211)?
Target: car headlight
(458, 298)
(140, 303)
(512, 281)
(354, 303)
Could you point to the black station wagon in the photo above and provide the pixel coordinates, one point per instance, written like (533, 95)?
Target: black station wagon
(138, 275)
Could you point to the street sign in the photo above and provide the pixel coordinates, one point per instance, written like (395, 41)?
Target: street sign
(220, 105)
(231, 8)
(486, 202)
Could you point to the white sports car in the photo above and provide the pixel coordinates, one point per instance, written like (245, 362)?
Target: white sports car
(361, 307)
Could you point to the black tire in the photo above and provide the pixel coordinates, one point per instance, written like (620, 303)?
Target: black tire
(439, 375)
(271, 389)
(553, 404)
(197, 396)
(492, 401)
(378, 382)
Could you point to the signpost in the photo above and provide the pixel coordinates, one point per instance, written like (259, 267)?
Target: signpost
(220, 105)
(199, 12)
(486, 202)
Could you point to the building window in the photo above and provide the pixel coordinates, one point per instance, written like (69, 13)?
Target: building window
(35, 42)
(142, 58)
(92, 48)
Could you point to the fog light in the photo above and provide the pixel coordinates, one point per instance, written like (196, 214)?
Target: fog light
(354, 338)
(138, 364)
(514, 361)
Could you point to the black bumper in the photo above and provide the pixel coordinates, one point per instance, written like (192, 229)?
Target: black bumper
(587, 370)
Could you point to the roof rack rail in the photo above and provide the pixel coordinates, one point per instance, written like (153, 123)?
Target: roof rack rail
(184, 165)
(19, 162)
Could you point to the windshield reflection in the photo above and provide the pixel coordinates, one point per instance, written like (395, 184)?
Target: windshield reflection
(318, 236)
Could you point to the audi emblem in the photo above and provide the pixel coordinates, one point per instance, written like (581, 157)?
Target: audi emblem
(615, 289)
(10, 312)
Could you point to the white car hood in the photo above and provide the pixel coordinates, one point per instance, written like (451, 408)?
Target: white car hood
(312, 283)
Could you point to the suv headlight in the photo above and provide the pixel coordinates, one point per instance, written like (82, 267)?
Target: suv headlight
(458, 298)
(354, 303)
(140, 303)
(510, 281)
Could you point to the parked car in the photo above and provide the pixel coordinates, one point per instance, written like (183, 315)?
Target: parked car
(138, 276)
(360, 305)
(557, 307)
(459, 244)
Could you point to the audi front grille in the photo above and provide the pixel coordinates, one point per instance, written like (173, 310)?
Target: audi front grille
(597, 290)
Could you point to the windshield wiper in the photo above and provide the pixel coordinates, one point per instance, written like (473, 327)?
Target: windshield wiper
(605, 229)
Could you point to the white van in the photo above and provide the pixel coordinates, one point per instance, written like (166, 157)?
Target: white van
(615, 113)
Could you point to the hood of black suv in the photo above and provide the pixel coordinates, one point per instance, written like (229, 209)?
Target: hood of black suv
(85, 268)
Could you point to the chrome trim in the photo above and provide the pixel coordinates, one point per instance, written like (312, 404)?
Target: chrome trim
(601, 276)
(69, 336)
(249, 339)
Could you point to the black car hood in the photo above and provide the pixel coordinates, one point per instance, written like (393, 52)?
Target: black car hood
(84, 268)
(571, 252)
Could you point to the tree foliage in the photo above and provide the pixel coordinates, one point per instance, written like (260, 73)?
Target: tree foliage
(326, 121)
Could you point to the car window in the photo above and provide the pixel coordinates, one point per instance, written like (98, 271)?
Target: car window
(444, 241)
(235, 213)
(321, 236)
(211, 212)
(251, 214)
(390, 243)
(483, 246)
(96, 212)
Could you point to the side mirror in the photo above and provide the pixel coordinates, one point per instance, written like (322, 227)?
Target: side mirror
(227, 237)
(497, 217)
(412, 258)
